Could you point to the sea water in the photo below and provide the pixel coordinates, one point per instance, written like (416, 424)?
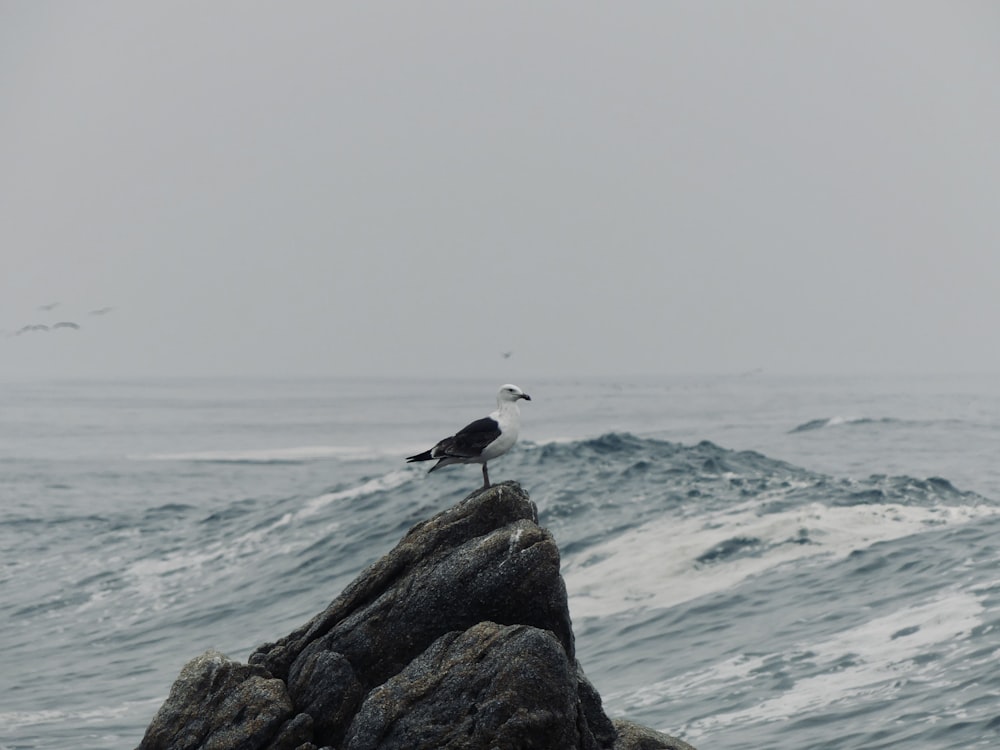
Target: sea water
(751, 561)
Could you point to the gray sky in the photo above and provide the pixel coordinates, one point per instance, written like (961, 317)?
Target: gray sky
(412, 188)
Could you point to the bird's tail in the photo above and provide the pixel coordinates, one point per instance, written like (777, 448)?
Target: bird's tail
(425, 456)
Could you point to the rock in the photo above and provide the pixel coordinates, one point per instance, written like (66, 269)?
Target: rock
(295, 734)
(633, 736)
(218, 703)
(489, 686)
(484, 559)
(592, 711)
(324, 686)
(459, 637)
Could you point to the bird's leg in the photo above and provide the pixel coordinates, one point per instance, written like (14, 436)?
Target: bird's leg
(486, 477)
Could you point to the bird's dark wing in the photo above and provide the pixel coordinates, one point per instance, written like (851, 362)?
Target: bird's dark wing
(470, 440)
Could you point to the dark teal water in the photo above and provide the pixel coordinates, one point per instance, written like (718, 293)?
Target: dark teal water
(753, 561)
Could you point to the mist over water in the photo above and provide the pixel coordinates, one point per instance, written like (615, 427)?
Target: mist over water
(760, 561)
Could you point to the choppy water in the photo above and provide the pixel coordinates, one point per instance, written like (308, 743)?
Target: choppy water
(751, 562)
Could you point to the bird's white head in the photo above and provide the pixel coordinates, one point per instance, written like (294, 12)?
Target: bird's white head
(511, 392)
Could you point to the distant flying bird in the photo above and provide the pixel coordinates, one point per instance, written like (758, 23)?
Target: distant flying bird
(50, 306)
(506, 355)
(482, 440)
(101, 311)
(66, 324)
(31, 328)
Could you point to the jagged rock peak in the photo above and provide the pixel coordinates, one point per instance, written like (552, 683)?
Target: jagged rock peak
(459, 637)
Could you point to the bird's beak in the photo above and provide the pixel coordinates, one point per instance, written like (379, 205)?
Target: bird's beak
(526, 397)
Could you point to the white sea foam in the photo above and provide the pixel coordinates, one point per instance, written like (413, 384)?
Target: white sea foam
(834, 421)
(656, 565)
(16, 719)
(153, 576)
(881, 656)
(385, 482)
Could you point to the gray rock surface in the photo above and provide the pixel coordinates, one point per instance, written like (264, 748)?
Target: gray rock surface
(633, 736)
(499, 678)
(459, 637)
(216, 703)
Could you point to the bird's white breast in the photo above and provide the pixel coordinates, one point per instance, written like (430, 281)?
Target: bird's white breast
(509, 418)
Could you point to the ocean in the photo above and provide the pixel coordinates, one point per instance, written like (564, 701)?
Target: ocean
(751, 561)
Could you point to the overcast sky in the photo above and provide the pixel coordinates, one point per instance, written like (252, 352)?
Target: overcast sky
(408, 188)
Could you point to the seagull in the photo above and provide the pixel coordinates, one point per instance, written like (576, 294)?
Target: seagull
(101, 311)
(30, 328)
(66, 324)
(48, 307)
(482, 440)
